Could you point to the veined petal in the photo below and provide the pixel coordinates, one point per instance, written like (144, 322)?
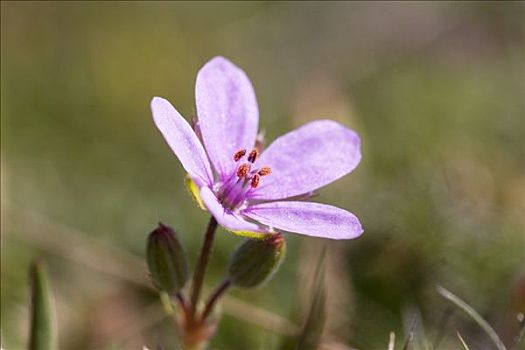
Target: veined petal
(227, 112)
(307, 218)
(225, 217)
(308, 158)
(182, 140)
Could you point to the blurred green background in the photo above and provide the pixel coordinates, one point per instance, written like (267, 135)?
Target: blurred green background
(436, 90)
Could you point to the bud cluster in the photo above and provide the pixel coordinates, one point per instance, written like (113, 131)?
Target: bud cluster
(253, 263)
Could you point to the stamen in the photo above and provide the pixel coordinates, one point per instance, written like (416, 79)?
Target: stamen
(265, 170)
(243, 170)
(239, 154)
(252, 157)
(259, 142)
(254, 182)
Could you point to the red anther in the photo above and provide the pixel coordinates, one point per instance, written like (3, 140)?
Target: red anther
(252, 157)
(265, 170)
(254, 182)
(239, 154)
(243, 170)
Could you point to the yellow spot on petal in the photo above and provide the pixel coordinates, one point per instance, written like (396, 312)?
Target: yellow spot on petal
(249, 234)
(195, 192)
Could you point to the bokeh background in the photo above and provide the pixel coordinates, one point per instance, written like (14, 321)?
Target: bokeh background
(436, 90)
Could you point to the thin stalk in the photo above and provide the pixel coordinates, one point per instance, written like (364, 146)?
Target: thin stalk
(469, 310)
(202, 263)
(43, 324)
(166, 303)
(521, 336)
(221, 289)
(463, 343)
(392, 341)
(169, 310)
(180, 299)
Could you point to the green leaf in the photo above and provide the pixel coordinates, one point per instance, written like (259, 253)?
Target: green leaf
(43, 328)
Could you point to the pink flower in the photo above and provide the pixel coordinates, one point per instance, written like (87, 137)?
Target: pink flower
(248, 192)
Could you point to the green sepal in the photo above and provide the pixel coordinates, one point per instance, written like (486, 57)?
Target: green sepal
(167, 262)
(255, 261)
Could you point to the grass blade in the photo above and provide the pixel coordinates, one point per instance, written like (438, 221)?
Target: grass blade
(465, 346)
(392, 341)
(43, 330)
(520, 341)
(474, 315)
(313, 328)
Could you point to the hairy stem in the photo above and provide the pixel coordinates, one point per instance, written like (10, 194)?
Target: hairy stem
(221, 289)
(202, 263)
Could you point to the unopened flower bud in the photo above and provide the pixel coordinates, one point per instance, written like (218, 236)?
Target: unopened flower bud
(167, 261)
(255, 261)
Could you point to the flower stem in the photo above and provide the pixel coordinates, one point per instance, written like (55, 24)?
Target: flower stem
(182, 302)
(214, 297)
(200, 269)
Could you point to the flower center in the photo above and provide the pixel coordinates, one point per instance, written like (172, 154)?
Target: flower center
(233, 192)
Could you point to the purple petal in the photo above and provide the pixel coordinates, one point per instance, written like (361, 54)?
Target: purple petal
(308, 158)
(182, 140)
(307, 218)
(227, 111)
(225, 217)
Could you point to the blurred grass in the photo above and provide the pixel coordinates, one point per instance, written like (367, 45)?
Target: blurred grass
(435, 89)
